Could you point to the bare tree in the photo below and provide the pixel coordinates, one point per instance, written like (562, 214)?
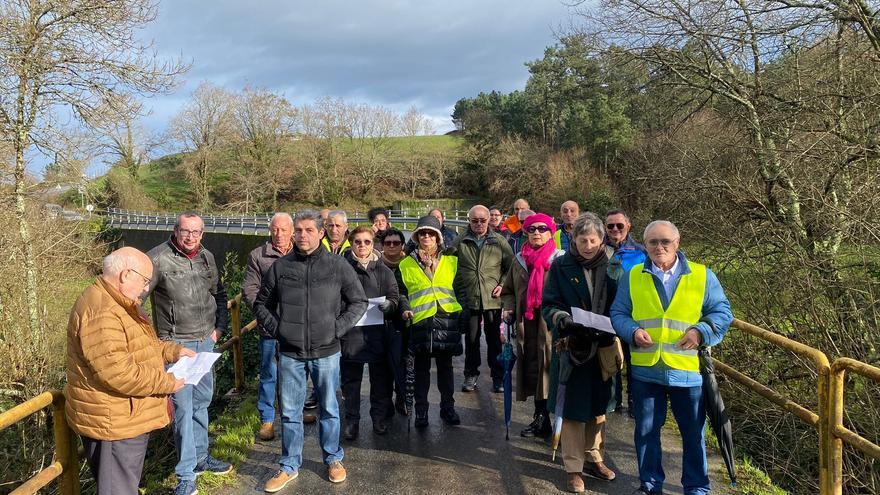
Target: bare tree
(203, 127)
(71, 54)
(121, 136)
(372, 127)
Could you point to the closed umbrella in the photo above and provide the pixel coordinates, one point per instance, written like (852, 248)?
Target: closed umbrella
(565, 367)
(716, 412)
(409, 398)
(507, 358)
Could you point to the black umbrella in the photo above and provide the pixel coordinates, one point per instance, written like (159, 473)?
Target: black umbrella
(409, 398)
(716, 412)
(507, 358)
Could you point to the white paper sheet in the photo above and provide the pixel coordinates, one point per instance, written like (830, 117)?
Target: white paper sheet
(590, 319)
(374, 315)
(193, 369)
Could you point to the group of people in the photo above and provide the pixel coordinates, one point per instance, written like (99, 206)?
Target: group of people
(330, 300)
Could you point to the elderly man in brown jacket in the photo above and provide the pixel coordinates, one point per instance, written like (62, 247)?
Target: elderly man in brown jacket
(117, 386)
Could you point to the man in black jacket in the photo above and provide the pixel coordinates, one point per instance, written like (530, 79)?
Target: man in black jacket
(308, 300)
(189, 308)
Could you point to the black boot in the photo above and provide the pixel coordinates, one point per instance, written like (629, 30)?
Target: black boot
(535, 428)
(449, 416)
(421, 419)
(545, 429)
(351, 430)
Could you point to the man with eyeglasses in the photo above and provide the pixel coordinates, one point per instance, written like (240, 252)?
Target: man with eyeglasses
(568, 213)
(189, 308)
(666, 309)
(629, 253)
(483, 259)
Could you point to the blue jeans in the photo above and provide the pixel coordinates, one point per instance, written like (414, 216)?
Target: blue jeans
(649, 404)
(268, 379)
(325, 377)
(191, 417)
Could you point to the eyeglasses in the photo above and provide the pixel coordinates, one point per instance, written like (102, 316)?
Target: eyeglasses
(147, 280)
(618, 226)
(187, 233)
(479, 220)
(363, 242)
(392, 243)
(537, 228)
(424, 233)
(659, 242)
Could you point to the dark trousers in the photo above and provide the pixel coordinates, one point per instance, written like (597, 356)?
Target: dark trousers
(491, 319)
(381, 386)
(117, 464)
(618, 381)
(445, 382)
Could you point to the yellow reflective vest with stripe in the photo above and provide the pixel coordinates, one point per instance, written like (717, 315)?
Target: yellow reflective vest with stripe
(343, 248)
(667, 327)
(425, 295)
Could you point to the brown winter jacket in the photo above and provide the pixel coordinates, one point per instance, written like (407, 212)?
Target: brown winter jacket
(116, 380)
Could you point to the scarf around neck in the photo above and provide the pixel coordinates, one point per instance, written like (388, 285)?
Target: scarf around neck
(537, 262)
(595, 268)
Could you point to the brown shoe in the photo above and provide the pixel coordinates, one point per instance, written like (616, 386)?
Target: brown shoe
(279, 481)
(599, 470)
(336, 472)
(267, 431)
(309, 417)
(575, 483)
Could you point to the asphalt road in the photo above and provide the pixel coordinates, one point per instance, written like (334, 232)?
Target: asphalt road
(472, 458)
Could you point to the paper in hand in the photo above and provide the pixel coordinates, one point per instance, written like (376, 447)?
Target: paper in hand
(374, 315)
(590, 319)
(192, 369)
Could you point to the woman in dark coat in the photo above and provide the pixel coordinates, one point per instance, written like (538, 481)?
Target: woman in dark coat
(586, 278)
(369, 344)
(392, 254)
(521, 297)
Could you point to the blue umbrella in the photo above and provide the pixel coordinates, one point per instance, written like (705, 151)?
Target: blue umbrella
(507, 358)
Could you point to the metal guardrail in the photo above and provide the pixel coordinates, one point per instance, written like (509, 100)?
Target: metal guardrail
(828, 420)
(256, 224)
(66, 464)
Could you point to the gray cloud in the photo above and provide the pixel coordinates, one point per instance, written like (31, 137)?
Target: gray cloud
(395, 53)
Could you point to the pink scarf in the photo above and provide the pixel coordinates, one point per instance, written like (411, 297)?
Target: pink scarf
(537, 262)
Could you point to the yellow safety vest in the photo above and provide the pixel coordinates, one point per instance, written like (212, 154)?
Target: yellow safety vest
(425, 294)
(667, 327)
(345, 246)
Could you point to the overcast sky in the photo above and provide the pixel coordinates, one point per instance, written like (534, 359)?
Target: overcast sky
(396, 53)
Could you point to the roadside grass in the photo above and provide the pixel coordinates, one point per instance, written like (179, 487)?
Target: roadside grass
(233, 431)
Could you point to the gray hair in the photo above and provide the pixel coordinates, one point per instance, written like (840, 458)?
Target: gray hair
(588, 223)
(281, 216)
(187, 214)
(476, 208)
(312, 215)
(124, 258)
(524, 213)
(664, 223)
(338, 213)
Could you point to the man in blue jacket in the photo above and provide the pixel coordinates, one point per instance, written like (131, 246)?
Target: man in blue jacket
(629, 253)
(665, 309)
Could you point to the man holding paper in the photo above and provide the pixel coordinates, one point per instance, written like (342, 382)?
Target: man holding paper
(665, 309)
(189, 308)
(308, 301)
(115, 364)
(368, 341)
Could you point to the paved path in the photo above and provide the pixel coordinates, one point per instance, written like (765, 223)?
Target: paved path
(472, 458)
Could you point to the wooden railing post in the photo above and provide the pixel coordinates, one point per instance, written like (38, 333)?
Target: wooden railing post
(66, 451)
(237, 358)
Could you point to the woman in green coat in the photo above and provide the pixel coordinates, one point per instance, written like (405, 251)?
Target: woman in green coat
(586, 278)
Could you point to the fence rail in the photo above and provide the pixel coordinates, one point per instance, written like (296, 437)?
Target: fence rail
(256, 224)
(828, 419)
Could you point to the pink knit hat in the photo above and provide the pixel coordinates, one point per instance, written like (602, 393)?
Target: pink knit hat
(540, 218)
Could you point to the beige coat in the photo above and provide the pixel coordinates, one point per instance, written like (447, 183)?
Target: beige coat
(533, 336)
(117, 386)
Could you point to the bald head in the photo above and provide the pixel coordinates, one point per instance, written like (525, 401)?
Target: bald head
(519, 205)
(478, 218)
(129, 271)
(568, 213)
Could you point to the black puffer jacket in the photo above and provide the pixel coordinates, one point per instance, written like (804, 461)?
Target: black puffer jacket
(188, 299)
(442, 333)
(369, 344)
(308, 302)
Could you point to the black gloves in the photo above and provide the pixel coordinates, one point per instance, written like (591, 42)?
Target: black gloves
(385, 306)
(567, 327)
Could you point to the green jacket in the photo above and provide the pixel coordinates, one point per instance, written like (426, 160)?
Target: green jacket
(587, 395)
(480, 270)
